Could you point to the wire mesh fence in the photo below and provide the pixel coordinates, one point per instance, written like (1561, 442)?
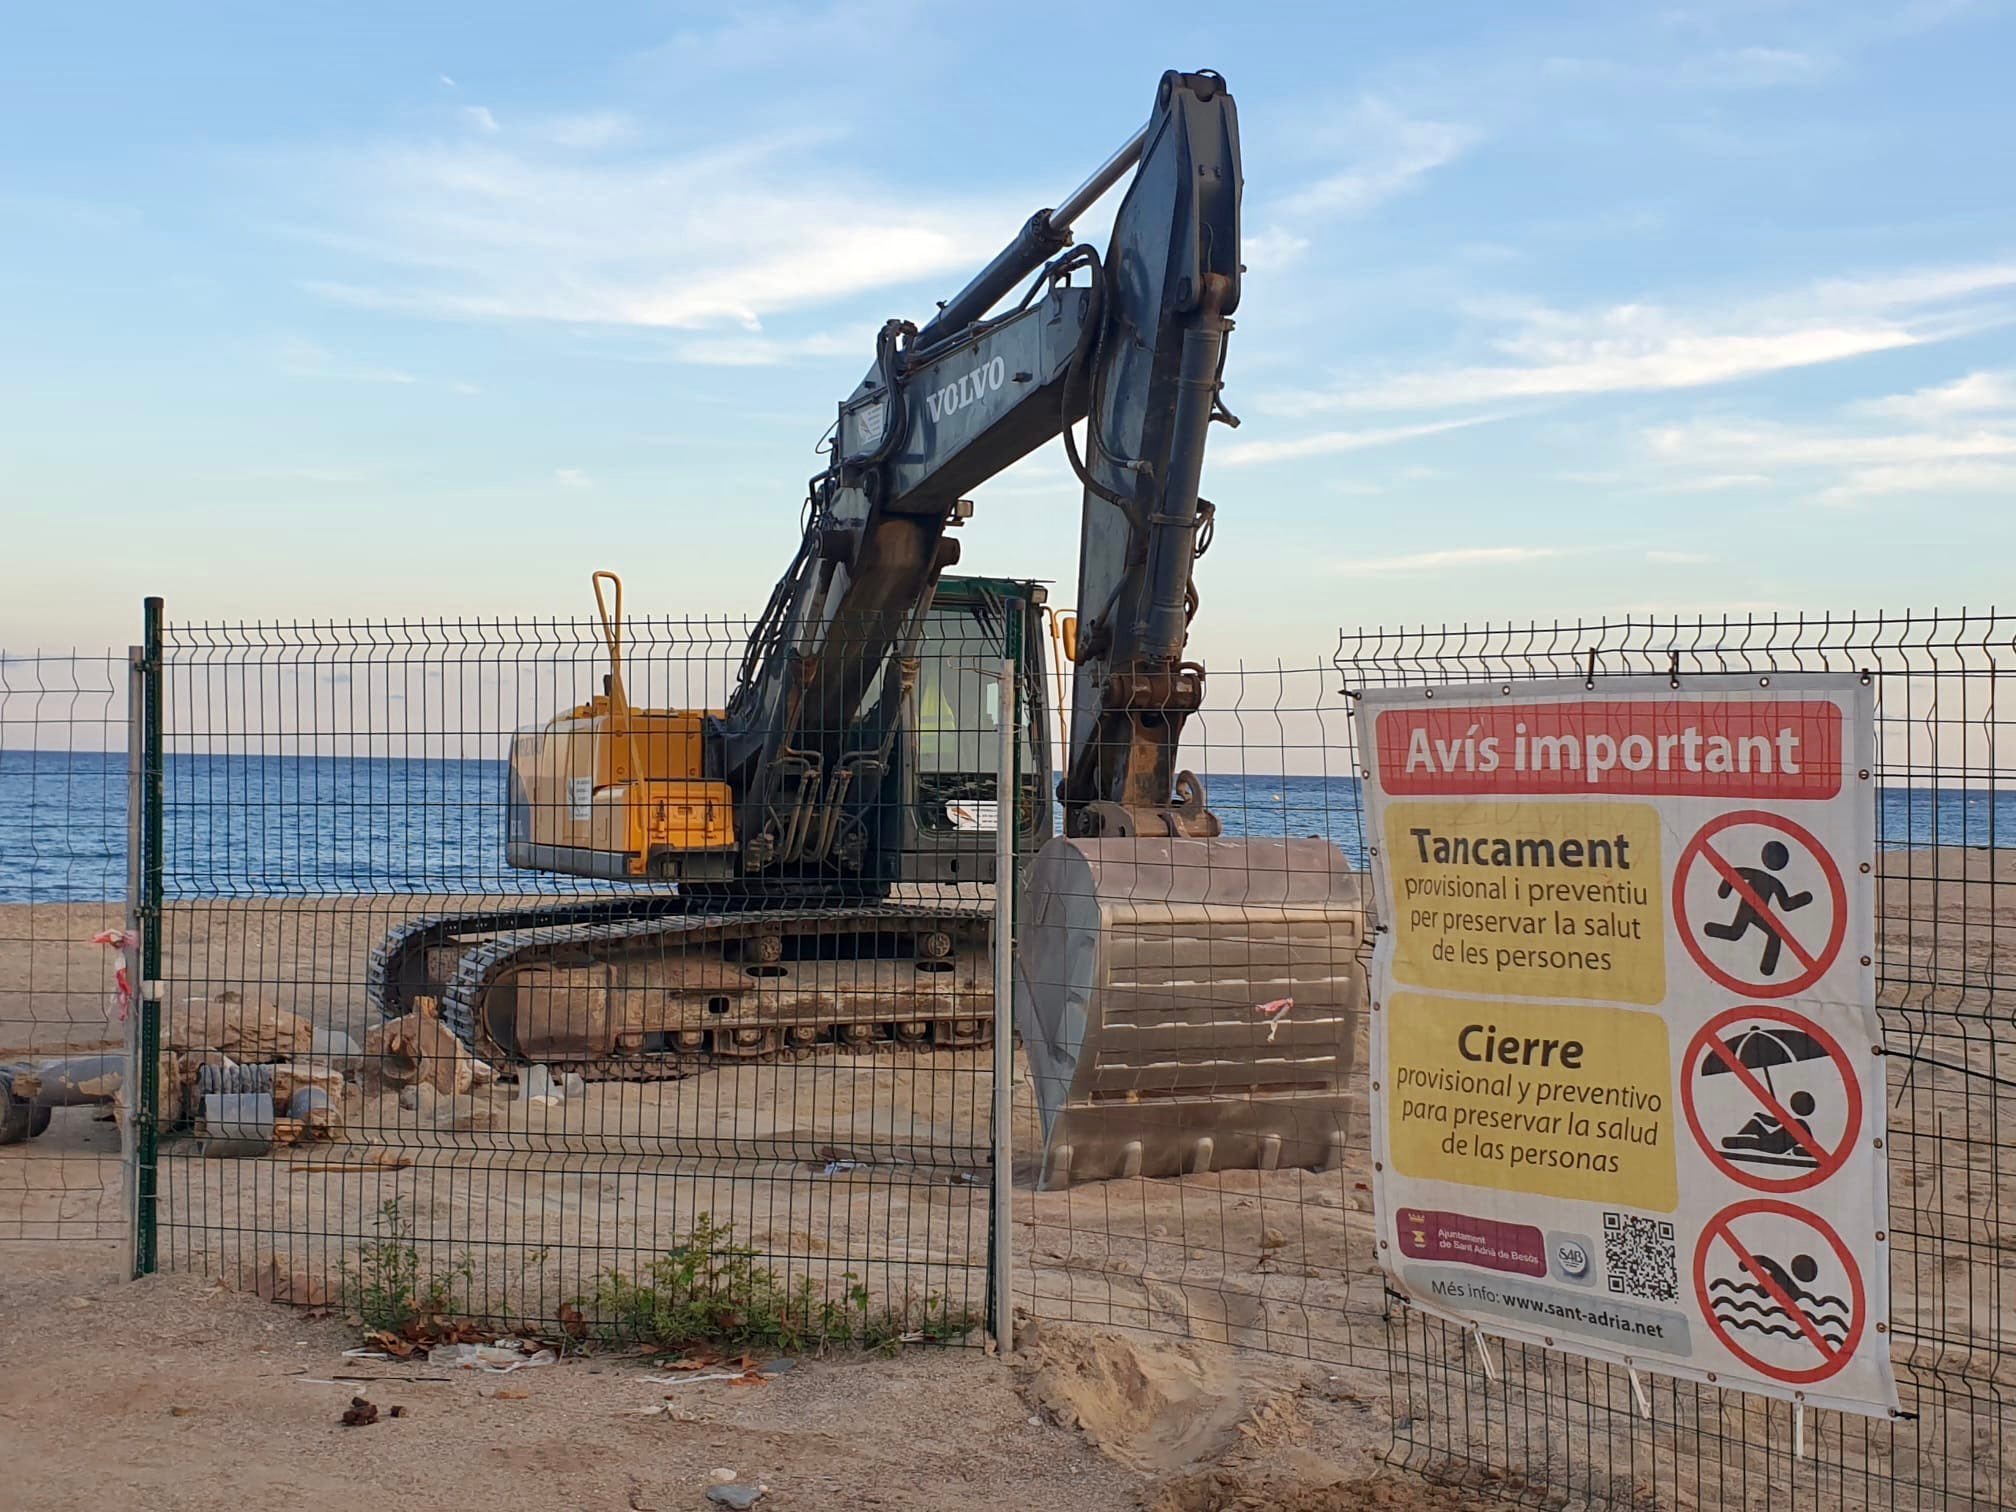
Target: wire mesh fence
(469, 1008)
(447, 1022)
(63, 924)
(1547, 1428)
(1196, 1152)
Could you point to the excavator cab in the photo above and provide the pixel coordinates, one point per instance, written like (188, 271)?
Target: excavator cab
(943, 801)
(613, 791)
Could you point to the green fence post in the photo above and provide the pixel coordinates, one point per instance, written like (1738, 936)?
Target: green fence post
(146, 910)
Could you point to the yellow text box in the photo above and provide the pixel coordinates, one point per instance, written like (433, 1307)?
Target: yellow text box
(1543, 900)
(1544, 1098)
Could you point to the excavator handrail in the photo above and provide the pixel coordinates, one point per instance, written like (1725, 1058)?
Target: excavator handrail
(624, 763)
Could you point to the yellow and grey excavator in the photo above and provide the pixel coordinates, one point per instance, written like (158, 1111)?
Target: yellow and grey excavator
(821, 843)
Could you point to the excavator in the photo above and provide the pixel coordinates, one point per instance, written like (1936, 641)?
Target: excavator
(810, 864)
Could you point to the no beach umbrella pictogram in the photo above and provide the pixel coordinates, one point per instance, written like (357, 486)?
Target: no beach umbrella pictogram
(1780, 1291)
(1772, 1098)
(1759, 904)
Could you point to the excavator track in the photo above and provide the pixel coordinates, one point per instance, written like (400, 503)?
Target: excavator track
(660, 988)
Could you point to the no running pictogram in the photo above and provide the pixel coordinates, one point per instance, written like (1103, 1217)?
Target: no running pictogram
(1759, 904)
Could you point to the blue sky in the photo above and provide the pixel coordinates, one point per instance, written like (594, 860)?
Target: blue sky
(1552, 309)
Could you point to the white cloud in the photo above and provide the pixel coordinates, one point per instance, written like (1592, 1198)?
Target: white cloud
(300, 358)
(572, 477)
(1271, 250)
(1764, 447)
(1717, 483)
(1387, 153)
(1327, 443)
(779, 36)
(1568, 67)
(1917, 286)
(758, 350)
(1757, 68)
(479, 116)
(719, 236)
(1924, 478)
(1958, 437)
(1643, 348)
(446, 80)
(1454, 559)
(601, 128)
(327, 476)
(1976, 393)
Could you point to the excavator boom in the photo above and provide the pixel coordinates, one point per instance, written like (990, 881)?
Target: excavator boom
(1132, 343)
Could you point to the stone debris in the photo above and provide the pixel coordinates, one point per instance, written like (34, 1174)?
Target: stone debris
(418, 1048)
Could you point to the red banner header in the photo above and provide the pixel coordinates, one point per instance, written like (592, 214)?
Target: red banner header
(1679, 748)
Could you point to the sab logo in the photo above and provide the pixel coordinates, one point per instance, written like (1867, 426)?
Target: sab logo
(1574, 1259)
(954, 397)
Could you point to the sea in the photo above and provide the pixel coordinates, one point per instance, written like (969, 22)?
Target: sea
(264, 826)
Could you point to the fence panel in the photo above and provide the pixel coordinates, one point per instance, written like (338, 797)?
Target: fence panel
(63, 921)
(641, 1106)
(1219, 1168)
(1549, 1427)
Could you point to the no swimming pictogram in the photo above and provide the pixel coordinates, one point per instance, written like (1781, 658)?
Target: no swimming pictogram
(1772, 1098)
(1780, 1291)
(1759, 904)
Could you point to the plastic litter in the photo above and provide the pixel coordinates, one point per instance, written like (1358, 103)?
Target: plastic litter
(694, 1380)
(535, 1085)
(498, 1359)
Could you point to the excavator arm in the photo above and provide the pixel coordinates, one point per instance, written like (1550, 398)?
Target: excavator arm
(1133, 343)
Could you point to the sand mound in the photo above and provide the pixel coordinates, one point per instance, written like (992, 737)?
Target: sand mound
(1156, 1404)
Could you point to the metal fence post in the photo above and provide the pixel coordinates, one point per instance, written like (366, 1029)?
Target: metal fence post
(144, 881)
(1007, 813)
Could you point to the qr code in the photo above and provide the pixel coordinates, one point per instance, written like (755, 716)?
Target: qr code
(1639, 1257)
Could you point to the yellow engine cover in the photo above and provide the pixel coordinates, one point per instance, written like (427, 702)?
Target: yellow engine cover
(629, 801)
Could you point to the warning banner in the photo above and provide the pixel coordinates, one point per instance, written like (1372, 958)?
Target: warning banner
(1625, 1048)
(1696, 747)
(1565, 1102)
(1530, 899)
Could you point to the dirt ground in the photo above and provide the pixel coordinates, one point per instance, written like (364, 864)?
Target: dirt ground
(177, 1392)
(169, 1393)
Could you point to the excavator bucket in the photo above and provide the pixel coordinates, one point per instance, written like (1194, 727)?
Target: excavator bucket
(1191, 1005)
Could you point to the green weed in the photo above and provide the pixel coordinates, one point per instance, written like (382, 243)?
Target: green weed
(711, 1291)
(389, 1287)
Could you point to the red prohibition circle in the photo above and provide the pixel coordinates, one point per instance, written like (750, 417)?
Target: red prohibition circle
(1837, 892)
(1711, 1033)
(1718, 1227)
